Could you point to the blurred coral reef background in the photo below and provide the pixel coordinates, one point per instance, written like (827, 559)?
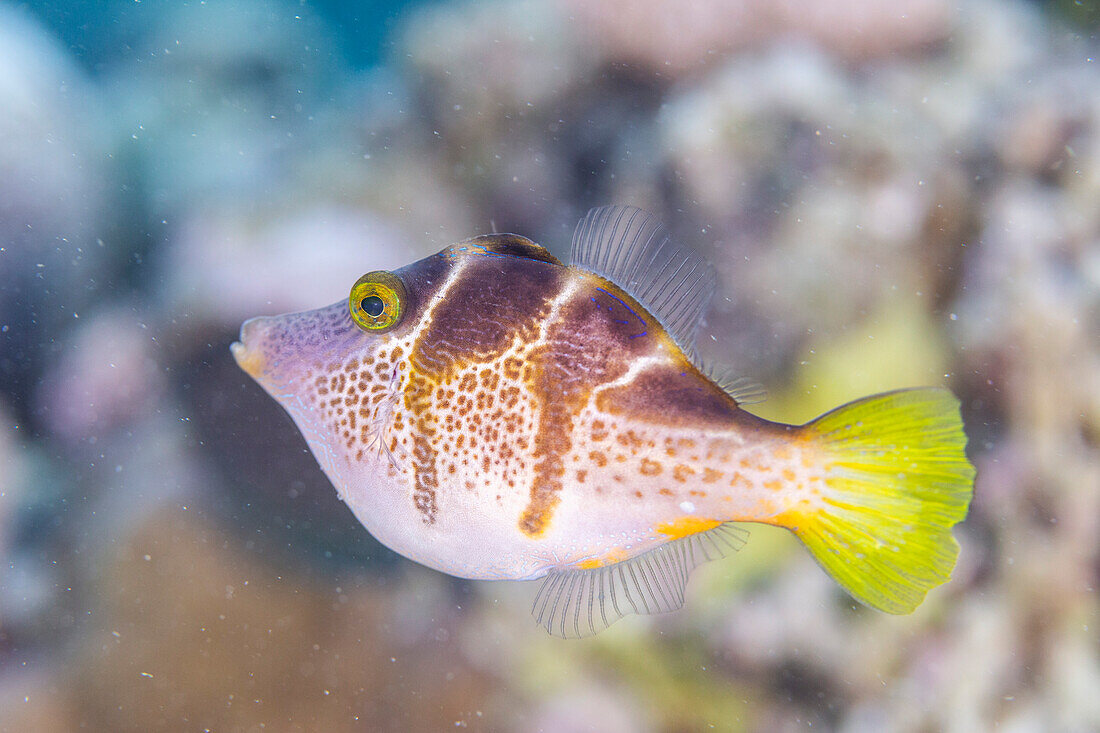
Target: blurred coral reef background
(894, 194)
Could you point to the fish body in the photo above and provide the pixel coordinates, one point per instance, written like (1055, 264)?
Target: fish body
(512, 417)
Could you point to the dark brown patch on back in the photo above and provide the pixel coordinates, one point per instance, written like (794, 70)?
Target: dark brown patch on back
(668, 395)
(499, 298)
(596, 336)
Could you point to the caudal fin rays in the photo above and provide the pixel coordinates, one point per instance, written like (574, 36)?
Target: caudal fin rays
(900, 480)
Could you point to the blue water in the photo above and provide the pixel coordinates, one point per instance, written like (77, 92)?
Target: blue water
(100, 33)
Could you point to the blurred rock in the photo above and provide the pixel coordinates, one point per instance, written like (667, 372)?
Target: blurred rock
(221, 103)
(227, 267)
(191, 630)
(106, 376)
(673, 39)
(24, 588)
(516, 54)
(495, 81)
(55, 185)
(822, 193)
(14, 469)
(587, 708)
(36, 702)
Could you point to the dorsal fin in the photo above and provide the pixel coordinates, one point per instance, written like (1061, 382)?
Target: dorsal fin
(744, 390)
(503, 245)
(632, 249)
(575, 603)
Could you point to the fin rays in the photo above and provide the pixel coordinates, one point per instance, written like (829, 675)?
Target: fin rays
(901, 481)
(744, 390)
(632, 249)
(575, 603)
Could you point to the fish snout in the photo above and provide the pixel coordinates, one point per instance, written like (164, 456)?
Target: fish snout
(249, 351)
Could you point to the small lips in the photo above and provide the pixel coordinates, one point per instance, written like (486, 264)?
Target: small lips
(248, 359)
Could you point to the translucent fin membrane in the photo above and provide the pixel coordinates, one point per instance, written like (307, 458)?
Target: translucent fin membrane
(743, 390)
(632, 249)
(572, 604)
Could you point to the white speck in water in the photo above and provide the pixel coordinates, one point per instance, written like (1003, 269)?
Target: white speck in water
(687, 507)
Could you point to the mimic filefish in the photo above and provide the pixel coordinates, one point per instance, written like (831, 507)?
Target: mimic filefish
(495, 414)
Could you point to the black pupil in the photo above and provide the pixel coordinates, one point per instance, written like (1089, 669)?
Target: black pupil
(373, 306)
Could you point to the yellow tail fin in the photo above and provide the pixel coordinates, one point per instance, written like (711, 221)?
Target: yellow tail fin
(899, 481)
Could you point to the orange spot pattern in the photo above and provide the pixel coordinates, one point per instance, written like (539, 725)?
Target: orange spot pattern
(465, 396)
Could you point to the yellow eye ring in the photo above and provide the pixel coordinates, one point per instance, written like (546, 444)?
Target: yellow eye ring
(377, 301)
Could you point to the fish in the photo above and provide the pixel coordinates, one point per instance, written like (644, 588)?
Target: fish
(495, 414)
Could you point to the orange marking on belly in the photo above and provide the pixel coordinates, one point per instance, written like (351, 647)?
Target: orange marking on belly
(650, 467)
(609, 558)
(685, 526)
(710, 476)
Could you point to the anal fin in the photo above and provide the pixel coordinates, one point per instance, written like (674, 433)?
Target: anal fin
(574, 603)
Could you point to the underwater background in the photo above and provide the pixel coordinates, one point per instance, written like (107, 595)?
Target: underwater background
(894, 194)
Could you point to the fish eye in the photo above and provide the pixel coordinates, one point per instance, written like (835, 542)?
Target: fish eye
(373, 305)
(377, 301)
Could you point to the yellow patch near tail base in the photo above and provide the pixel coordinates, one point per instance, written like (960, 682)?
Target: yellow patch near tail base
(900, 480)
(685, 526)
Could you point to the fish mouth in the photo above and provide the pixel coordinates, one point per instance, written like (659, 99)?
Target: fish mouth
(245, 352)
